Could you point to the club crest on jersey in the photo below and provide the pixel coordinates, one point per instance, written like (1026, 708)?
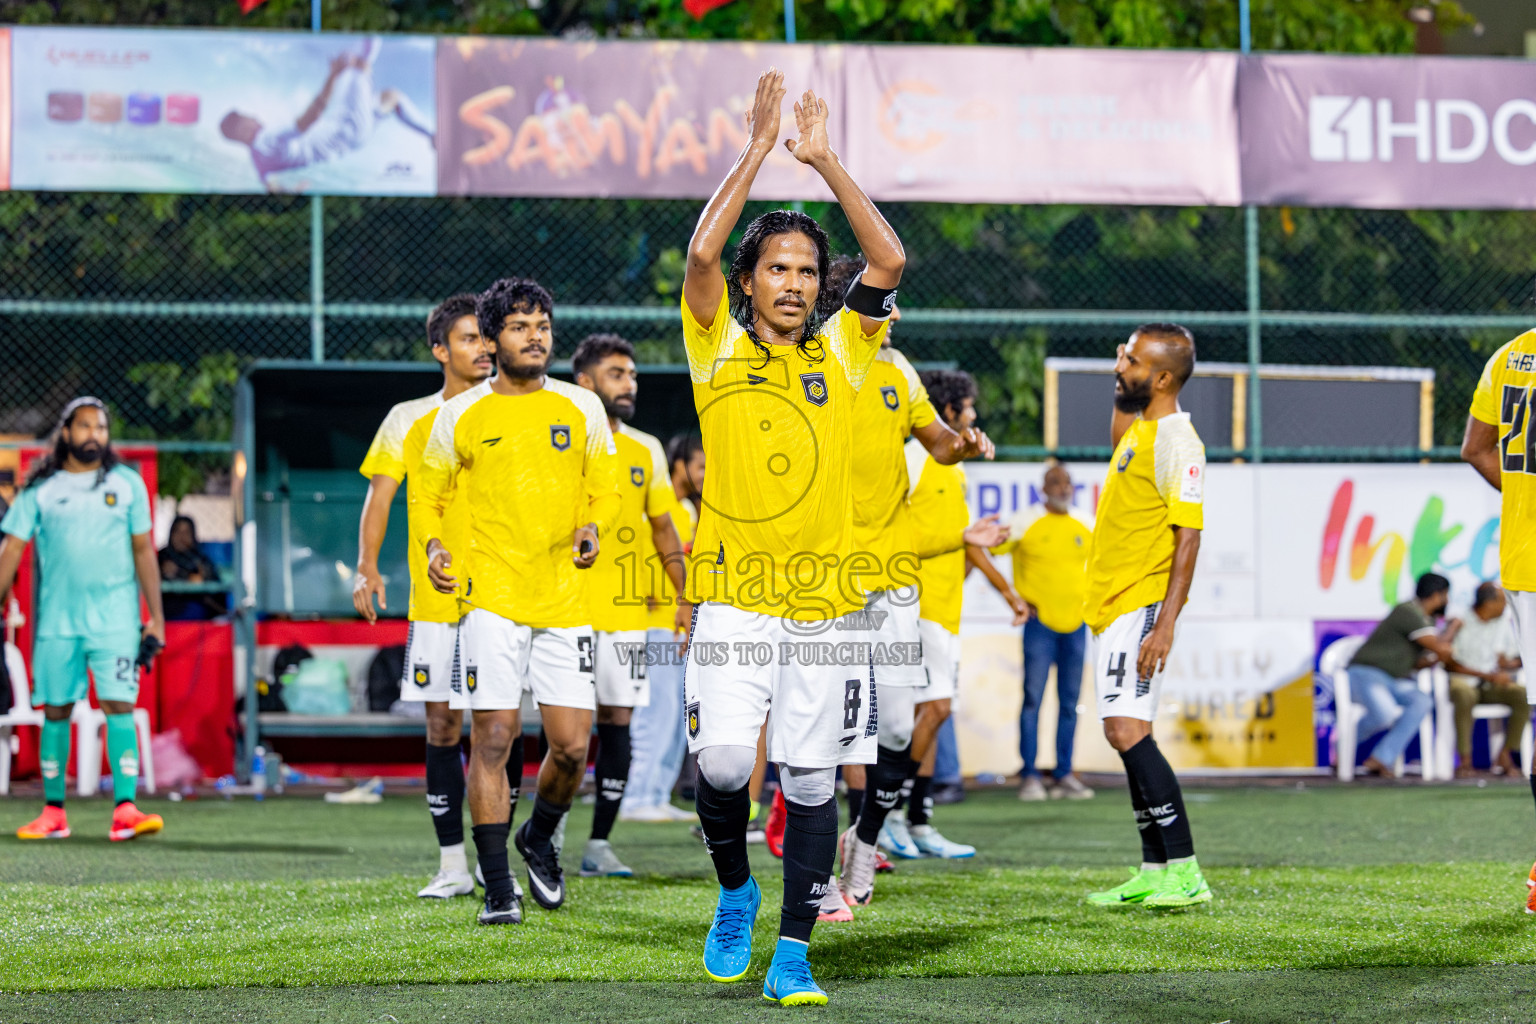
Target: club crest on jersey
(471, 675)
(637, 476)
(693, 720)
(110, 498)
(1125, 460)
(421, 675)
(888, 396)
(815, 385)
(560, 436)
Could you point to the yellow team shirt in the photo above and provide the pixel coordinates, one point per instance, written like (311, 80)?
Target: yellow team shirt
(891, 404)
(533, 467)
(618, 582)
(663, 612)
(1050, 565)
(1156, 482)
(940, 516)
(396, 453)
(775, 535)
(1503, 399)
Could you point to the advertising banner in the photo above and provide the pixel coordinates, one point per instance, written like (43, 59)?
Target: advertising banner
(189, 111)
(1054, 125)
(5, 108)
(1388, 132)
(543, 117)
(1348, 541)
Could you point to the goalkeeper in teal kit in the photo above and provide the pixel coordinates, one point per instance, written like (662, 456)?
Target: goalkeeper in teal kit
(89, 516)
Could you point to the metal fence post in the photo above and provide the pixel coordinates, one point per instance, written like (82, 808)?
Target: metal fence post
(317, 278)
(1251, 259)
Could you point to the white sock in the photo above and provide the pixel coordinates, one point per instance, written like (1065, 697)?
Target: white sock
(1179, 860)
(451, 858)
(1152, 867)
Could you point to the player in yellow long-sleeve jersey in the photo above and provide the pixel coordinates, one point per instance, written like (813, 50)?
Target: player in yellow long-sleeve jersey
(949, 545)
(537, 464)
(1500, 443)
(617, 584)
(432, 643)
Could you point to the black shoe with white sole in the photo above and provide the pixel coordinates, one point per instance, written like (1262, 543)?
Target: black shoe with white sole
(546, 882)
(507, 911)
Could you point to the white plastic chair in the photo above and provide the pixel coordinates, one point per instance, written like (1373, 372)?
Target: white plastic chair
(89, 725)
(22, 712)
(1347, 714)
(1494, 714)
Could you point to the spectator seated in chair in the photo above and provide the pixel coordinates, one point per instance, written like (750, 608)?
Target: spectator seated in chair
(1382, 674)
(183, 561)
(1484, 660)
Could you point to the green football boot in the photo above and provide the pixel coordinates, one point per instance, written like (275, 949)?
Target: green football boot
(1182, 885)
(1142, 883)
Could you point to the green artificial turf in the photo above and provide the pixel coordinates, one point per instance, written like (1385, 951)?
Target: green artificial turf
(295, 892)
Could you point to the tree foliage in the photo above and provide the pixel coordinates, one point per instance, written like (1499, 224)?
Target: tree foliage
(212, 248)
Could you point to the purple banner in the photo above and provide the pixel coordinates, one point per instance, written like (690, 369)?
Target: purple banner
(1057, 125)
(1388, 132)
(524, 117)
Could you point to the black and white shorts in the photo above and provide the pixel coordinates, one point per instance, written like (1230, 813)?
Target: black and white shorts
(1522, 606)
(500, 659)
(431, 661)
(621, 680)
(1120, 692)
(820, 687)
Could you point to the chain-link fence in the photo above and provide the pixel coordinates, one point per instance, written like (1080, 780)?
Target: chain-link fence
(156, 302)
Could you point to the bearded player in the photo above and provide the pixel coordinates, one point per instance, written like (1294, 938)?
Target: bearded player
(89, 517)
(1145, 540)
(619, 581)
(892, 406)
(775, 387)
(536, 462)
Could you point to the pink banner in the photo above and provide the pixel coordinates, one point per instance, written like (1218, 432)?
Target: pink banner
(986, 124)
(1389, 132)
(526, 117)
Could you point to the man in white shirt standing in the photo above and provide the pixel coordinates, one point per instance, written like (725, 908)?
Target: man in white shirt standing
(1485, 658)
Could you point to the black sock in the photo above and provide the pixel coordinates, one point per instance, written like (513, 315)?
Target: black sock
(1152, 851)
(1164, 801)
(612, 771)
(810, 853)
(920, 807)
(445, 793)
(491, 853)
(515, 775)
(541, 826)
(855, 799)
(723, 817)
(883, 782)
(1533, 786)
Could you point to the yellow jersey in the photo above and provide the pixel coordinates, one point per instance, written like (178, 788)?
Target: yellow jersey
(663, 613)
(1156, 482)
(940, 516)
(891, 404)
(775, 535)
(618, 582)
(533, 468)
(1503, 399)
(1050, 565)
(396, 453)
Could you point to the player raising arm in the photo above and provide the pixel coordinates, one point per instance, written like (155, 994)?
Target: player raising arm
(775, 389)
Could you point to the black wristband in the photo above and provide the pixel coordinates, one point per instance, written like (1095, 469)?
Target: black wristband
(875, 303)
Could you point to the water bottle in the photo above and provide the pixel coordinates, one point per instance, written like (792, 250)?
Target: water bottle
(259, 772)
(275, 772)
